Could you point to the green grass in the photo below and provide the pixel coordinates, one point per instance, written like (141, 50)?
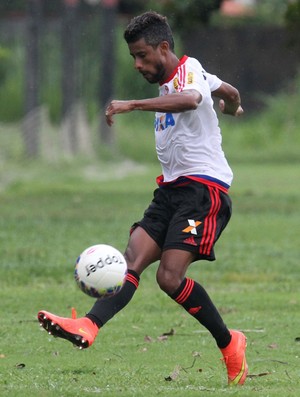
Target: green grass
(47, 217)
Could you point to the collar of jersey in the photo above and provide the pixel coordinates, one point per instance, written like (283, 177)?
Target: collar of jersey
(181, 62)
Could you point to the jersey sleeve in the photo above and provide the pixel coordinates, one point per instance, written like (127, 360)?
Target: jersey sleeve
(213, 81)
(197, 78)
(194, 77)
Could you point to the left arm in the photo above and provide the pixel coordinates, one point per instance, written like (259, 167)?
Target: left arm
(230, 101)
(172, 103)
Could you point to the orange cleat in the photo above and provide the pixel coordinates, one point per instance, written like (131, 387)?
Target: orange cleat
(79, 331)
(234, 356)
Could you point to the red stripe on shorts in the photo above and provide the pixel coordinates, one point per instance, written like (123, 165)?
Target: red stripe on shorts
(210, 222)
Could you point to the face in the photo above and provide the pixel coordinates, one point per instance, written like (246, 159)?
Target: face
(149, 61)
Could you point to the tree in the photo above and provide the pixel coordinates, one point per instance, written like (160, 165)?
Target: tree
(185, 15)
(271, 11)
(107, 78)
(69, 73)
(32, 78)
(292, 18)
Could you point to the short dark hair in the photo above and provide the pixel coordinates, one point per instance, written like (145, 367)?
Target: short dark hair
(152, 27)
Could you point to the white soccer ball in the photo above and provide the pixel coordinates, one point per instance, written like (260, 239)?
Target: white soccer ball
(100, 271)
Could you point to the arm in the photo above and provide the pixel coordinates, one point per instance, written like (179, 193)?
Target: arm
(230, 101)
(172, 103)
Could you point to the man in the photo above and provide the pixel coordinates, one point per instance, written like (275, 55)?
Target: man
(191, 206)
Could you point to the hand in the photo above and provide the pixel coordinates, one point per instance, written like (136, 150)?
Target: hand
(109, 119)
(117, 107)
(229, 109)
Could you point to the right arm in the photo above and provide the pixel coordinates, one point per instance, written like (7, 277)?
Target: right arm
(173, 103)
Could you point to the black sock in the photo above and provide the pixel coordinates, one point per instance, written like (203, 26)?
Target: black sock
(195, 300)
(104, 309)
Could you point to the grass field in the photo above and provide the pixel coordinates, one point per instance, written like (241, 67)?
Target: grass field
(48, 217)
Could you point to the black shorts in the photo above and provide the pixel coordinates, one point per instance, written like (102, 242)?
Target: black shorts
(190, 217)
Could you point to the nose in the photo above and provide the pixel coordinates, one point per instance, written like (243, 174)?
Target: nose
(138, 64)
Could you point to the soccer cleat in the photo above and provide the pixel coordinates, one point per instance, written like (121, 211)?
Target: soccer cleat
(234, 356)
(79, 331)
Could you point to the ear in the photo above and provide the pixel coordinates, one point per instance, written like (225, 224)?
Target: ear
(164, 47)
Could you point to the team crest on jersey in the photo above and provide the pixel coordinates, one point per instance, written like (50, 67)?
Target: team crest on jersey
(176, 83)
(190, 78)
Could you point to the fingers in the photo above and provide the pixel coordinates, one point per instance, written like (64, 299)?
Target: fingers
(231, 110)
(239, 111)
(222, 105)
(110, 111)
(117, 107)
(109, 118)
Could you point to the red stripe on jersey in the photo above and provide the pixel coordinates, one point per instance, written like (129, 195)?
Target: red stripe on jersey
(210, 222)
(132, 279)
(186, 292)
(181, 77)
(172, 75)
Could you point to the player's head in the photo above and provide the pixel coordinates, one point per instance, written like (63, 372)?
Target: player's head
(151, 45)
(150, 26)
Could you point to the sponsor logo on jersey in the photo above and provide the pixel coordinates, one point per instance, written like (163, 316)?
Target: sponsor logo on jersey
(164, 121)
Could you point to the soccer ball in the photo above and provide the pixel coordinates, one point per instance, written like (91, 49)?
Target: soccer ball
(100, 271)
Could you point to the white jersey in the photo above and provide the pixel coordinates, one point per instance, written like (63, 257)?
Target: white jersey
(189, 143)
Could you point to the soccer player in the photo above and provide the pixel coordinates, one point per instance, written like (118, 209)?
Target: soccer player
(190, 207)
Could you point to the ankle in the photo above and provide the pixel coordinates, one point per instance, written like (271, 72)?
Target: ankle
(94, 320)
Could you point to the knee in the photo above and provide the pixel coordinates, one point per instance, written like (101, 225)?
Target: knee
(168, 281)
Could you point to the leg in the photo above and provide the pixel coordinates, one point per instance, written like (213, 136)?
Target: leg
(195, 300)
(189, 294)
(140, 253)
